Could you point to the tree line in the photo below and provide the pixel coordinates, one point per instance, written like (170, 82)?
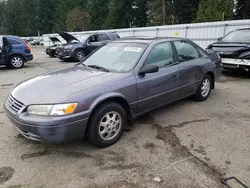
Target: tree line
(27, 17)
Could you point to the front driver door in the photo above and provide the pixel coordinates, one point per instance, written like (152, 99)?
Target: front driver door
(157, 89)
(95, 42)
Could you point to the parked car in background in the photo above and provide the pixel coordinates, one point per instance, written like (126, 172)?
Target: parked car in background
(85, 44)
(14, 52)
(101, 95)
(35, 42)
(51, 50)
(234, 49)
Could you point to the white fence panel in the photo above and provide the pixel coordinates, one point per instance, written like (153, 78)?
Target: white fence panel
(201, 33)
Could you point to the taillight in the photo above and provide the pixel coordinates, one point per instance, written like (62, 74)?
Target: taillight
(27, 46)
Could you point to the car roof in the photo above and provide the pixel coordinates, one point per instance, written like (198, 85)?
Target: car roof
(148, 40)
(10, 36)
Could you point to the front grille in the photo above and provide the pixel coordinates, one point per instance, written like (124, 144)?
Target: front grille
(227, 65)
(59, 50)
(14, 104)
(230, 56)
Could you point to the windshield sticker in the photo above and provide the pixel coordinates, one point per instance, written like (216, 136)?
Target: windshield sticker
(132, 49)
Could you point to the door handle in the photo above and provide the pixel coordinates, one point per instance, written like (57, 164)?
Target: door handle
(176, 75)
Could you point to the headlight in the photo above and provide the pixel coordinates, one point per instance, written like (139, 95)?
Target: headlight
(67, 47)
(52, 110)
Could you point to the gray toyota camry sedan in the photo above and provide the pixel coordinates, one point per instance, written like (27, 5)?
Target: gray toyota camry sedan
(100, 96)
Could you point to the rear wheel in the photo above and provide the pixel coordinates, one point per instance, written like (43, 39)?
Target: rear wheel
(16, 62)
(79, 55)
(106, 125)
(204, 89)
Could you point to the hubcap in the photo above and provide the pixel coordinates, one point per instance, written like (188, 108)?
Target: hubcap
(205, 88)
(110, 126)
(80, 55)
(17, 62)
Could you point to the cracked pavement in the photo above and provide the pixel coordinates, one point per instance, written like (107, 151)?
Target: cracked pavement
(186, 144)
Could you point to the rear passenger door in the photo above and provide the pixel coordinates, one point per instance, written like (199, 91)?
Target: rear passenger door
(190, 62)
(156, 89)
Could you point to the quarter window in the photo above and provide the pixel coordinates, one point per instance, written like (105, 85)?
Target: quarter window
(186, 51)
(161, 55)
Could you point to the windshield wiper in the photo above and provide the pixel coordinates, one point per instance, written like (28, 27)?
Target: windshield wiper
(99, 67)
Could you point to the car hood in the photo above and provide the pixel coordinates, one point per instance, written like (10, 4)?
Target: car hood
(55, 40)
(53, 46)
(68, 37)
(229, 46)
(53, 87)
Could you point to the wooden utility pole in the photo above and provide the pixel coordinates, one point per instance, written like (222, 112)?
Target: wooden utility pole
(163, 12)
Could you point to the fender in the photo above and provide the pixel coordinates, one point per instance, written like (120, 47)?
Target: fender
(16, 53)
(77, 47)
(105, 97)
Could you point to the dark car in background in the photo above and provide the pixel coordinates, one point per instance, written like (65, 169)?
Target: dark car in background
(234, 49)
(51, 50)
(101, 95)
(85, 44)
(14, 52)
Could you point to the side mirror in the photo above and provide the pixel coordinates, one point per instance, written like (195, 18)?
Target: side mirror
(220, 38)
(149, 69)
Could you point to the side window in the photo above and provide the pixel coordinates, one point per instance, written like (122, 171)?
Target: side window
(92, 39)
(186, 51)
(102, 37)
(161, 55)
(13, 42)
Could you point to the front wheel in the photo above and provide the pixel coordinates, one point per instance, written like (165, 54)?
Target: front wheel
(204, 89)
(106, 125)
(79, 55)
(16, 62)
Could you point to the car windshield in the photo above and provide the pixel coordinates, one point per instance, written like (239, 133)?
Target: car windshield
(117, 57)
(82, 38)
(238, 36)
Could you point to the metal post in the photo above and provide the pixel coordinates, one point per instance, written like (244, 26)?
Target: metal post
(164, 12)
(225, 28)
(157, 29)
(133, 32)
(223, 16)
(186, 31)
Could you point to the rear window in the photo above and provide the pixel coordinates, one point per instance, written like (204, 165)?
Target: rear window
(14, 41)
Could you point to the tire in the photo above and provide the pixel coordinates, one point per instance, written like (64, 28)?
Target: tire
(16, 62)
(204, 89)
(79, 55)
(109, 114)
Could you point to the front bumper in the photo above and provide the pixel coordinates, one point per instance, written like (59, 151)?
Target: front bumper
(48, 129)
(51, 52)
(63, 55)
(235, 63)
